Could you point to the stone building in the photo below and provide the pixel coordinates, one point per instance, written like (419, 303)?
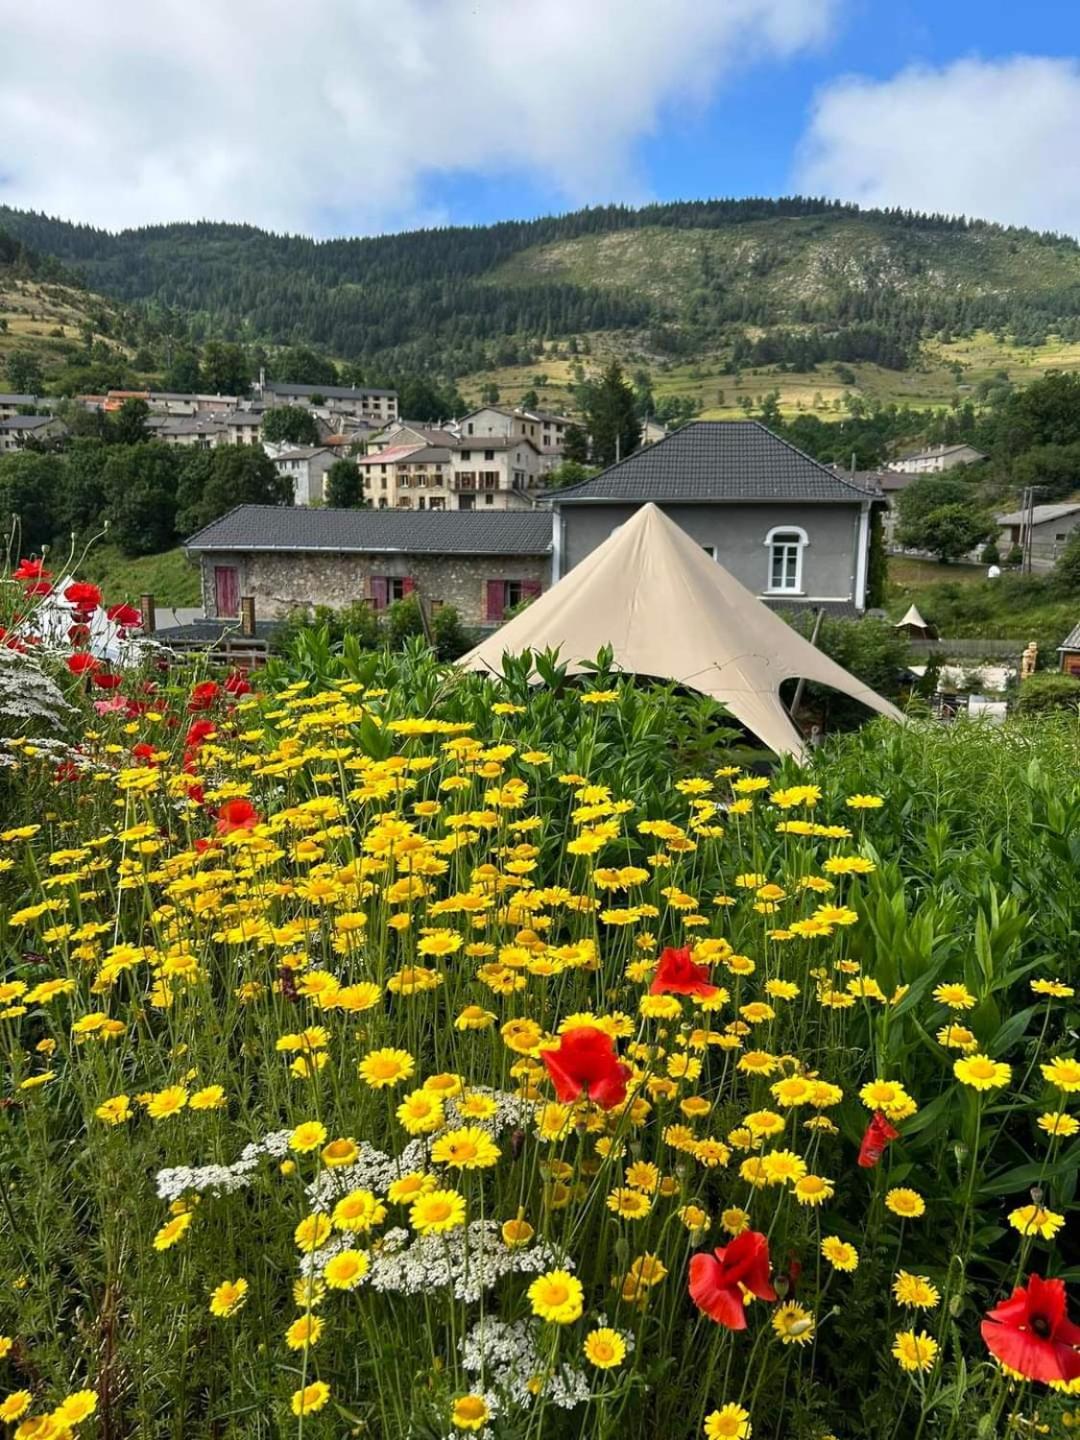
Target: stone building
(290, 558)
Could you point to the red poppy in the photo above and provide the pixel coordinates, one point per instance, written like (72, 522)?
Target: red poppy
(30, 570)
(584, 1064)
(879, 1134)
(107, 682)
(77, 633)
(82, 595)
(717, 1281)
(126, 616)
(203, 695)
(67, 770)
(236, 815)
(81, 662)
(1031, 1333)
(198, 731)
(238, 683)
(143, 751)
(678, 975)
(38, 587)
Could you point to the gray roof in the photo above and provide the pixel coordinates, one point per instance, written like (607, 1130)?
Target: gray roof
(26, 422)
(492, 442)
(936, 450)
(430, 532)
(1040, 514)
(718, 461)
(17, 399)
(426, 455)
(301, 452)
(331, 392)
(1072, 640)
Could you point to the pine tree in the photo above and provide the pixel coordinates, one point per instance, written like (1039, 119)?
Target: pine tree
(611, 416)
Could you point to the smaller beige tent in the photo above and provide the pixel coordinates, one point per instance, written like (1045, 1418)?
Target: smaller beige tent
(671, 612)
(914, 625)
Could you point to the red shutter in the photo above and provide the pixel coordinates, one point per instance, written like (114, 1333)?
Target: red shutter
(530, 589)
(380, 591)
(408, 585)
(496, 600)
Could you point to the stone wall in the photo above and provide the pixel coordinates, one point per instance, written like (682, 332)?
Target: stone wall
(282, 581)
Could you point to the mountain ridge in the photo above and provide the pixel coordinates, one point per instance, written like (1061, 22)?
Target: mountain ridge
(792, 282)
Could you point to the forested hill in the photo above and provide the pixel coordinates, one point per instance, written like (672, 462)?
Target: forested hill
(794, 281)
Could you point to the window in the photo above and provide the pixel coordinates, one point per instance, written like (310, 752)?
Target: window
(489, 454)
(385, 589)
(710, 550)
(466, 454)
(785, 548)
(470, 428)
(503, 595)
(489, 499)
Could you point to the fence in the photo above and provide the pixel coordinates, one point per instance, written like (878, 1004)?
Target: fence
(970, 649)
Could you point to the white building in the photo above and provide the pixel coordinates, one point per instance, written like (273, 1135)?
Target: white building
(546, 430)
(936, 459)
(305, 466)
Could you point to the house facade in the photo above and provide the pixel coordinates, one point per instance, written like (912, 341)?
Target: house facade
(16, 431)
(794, 532)
(288, 558)
(546, 430)
(1051, 528)
(936, 459)
(499, 473)
(11, 405)
(305, 466)
(378, 406)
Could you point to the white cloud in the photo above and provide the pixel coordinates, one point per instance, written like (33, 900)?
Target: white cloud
(993, 139)
(328, 114)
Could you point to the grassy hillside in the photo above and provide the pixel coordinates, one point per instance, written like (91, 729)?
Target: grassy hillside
(52, 320)
(169, 577)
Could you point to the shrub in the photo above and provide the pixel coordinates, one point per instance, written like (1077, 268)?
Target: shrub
(1048, 690)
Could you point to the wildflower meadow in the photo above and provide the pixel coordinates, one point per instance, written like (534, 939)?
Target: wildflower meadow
(398, 1054)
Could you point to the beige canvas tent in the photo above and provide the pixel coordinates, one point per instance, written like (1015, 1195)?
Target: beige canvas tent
(671, 612)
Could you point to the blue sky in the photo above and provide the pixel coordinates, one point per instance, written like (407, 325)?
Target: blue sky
(363, 116)
(747, 139)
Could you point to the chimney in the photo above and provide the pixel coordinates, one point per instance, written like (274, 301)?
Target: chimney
(262, 379)
(149, 614)
(247, 616)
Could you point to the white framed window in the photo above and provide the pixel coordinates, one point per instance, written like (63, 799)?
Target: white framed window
(785, 544)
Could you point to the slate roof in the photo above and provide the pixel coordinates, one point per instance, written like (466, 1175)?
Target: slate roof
(26, 422)
(435, 532)
(331, 392)
(1072, 640)
(718, 461)
(1040, 514)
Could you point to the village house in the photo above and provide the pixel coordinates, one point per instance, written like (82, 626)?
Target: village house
(793, 531)
(242, 427)
(17, 430)
(1051, 529)
(378, 406)
(936, 459)
(499, 474)
(201, 432)
(12, 405)
(546, 430)
(409, 432)
(305, 466)
(287, 558)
